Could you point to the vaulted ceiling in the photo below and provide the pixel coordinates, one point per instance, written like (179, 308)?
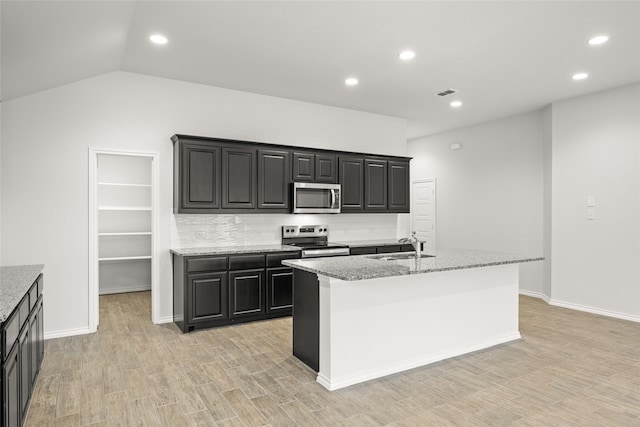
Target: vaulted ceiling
(503, 58)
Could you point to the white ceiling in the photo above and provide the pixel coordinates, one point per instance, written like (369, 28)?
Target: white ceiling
(503, 57)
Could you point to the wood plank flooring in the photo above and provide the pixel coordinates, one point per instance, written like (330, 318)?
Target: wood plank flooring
(570, 369)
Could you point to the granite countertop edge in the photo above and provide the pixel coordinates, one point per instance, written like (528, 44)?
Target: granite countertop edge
(15, 281)
(231, 250)
(351, 268)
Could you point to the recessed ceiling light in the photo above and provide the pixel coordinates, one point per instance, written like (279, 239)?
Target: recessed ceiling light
(456, 104)
(598, 40)
(407, 55)
(158, 39)
(580, 76)
(351, 81)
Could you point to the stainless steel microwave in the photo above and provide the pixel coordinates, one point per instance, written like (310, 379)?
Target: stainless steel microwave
(316, 198)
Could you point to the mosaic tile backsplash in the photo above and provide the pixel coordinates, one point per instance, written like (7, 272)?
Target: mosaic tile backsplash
(265, 229)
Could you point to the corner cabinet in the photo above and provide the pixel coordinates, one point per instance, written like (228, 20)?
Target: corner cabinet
(22, 352)
(218, 290)
(213, 175)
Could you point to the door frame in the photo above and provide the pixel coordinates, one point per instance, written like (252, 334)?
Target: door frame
(420, 181)
(94, 289)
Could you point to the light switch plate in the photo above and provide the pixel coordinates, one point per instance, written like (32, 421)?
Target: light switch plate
(591, 201)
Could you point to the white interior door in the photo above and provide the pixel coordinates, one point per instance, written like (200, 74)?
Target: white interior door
(423, 212)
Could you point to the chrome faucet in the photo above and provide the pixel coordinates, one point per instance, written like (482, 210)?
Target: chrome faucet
(417, 244)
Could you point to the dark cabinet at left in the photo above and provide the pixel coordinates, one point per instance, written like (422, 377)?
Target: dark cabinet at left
(219, 290)
(198, 186)
(22, 352)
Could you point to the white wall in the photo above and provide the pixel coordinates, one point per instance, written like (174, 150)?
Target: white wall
(46, 137)
(596, 264)
(489, 194)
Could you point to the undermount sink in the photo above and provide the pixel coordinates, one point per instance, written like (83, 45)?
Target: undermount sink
(396, 257)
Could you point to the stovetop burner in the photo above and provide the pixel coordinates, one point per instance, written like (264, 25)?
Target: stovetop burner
(313, 239)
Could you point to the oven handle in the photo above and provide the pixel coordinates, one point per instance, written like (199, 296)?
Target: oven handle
(314, 253)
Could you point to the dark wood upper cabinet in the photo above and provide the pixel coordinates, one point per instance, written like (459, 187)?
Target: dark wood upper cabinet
(239, 178)
(200, 177)
(399, 199)
(352, 180)
(375, 185)
(304, 167)
(213, 175)
(326, 170)
(273, 179)
(314, 167)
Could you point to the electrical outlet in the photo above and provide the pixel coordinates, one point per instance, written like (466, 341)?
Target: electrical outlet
(200, 235)
(591, 214)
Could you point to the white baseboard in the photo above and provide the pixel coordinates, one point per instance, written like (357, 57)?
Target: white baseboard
(66, 333)
(594, 310)
(124, 290)
(165, 319)
(539, 295)
(579, 307)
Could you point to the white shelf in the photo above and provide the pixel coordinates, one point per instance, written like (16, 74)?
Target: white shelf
(125, 258)
(133, 233)
(124, 208)
(120, 184)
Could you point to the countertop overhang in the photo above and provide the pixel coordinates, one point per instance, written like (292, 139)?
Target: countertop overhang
(362, 267)
(232, 250)
(15, 282)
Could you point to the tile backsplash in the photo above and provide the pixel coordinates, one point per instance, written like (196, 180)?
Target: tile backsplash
(265, 229)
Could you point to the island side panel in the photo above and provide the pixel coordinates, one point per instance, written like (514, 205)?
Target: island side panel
(377, 327)
(306, 318)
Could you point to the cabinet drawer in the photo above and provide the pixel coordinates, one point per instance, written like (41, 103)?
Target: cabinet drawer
(206, 264)
(40, 281)
(406, 248)
(24, 309)
(33, 295)
(245, 262)
(388, 249)
(273, 260)
(10, 332)
(363, 250)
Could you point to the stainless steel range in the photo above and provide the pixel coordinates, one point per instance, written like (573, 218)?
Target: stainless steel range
(313, 239)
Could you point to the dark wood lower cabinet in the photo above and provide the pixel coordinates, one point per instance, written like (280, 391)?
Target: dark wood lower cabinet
(207, 296)
(11, 388)
(24, 354)
(380, 249)
(245, 287)
(279, 289)
(246, 293)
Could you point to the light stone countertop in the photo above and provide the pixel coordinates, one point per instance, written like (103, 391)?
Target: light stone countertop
(233, 250)
(15, 282)
(372, 242)
(363, 267)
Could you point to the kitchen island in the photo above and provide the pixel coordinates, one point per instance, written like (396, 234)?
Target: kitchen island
(358, 318)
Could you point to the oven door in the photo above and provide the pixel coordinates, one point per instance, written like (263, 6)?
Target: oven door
(316, 198)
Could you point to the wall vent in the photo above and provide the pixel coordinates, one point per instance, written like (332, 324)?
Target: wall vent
(446, 92)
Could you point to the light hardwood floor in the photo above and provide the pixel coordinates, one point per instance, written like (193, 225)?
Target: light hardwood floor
(570, 369)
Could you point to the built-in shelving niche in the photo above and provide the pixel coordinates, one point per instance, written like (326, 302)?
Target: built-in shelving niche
(124, 223)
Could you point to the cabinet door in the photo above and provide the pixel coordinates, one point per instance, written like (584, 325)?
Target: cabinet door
(352, 181)
(200, 177)
(40, 337)
(303, 167)
(279, 289)
(24, 368)
(11, 388)
(238, 178)
(33, 347)
(273, 179)
(362, 250)
(207, 297)
(326, 170)
(246, 293)
(375, 185)
(399, 187)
